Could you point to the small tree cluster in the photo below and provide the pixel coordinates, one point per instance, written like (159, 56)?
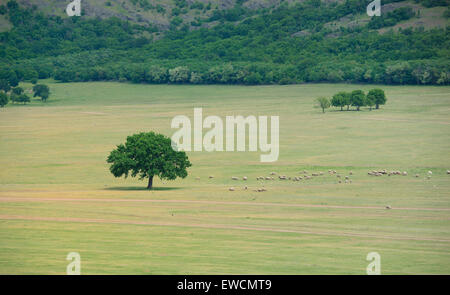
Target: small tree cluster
(356, 98)
(18, 95)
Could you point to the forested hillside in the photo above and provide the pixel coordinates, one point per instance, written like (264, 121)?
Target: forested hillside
(242, 42)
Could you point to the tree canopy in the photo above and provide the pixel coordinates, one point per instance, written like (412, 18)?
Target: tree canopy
(17, 90)
(3, 99)
(42, 91)
(341, 99)
(21, 98)
(147, 155)
(377, 96)
(324, 103)
(4, 85)
(358, 99)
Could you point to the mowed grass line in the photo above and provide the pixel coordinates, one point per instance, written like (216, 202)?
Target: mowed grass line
(57, 151)
(196, 251)
(410, 224)
(9, 199)
(221, 226)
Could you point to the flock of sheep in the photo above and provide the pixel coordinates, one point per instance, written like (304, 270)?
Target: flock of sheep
(305, 176)
(273, 175)
(404, 173)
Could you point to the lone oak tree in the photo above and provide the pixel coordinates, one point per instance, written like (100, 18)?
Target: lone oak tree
(148, 155)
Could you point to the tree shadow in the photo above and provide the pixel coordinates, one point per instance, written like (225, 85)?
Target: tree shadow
(140, 188)
(343, 111)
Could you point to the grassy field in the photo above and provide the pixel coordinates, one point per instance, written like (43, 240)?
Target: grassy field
(57, 195)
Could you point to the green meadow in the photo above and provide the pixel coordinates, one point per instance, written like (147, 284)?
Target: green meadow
(58, 196)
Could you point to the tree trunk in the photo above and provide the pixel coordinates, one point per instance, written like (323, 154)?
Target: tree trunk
(357, 108)
(348, 107)
(150, 182)
(341, 108)
(377, 106)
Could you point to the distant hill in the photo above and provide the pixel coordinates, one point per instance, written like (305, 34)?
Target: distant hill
(229, 42)
(154, 12)
(194, 13)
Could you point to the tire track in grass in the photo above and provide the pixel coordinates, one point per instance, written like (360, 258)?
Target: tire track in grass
(212, 226)
(18, 199)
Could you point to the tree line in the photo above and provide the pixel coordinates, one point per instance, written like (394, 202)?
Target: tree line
(357, 98)
(262, 49)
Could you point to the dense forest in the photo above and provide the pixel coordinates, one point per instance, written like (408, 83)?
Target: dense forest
(291, 43)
